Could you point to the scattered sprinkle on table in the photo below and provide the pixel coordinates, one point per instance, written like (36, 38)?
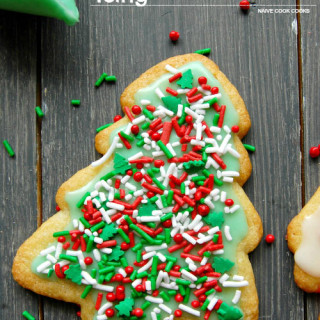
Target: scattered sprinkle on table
(27, 315)
(8, 148)
(203, 51)
(101, 79)
(270, 238)
(244, 5)
(314, 152)
(75, 102)
(249, 147)
(39, 112)
(111, 78)
(174, 35)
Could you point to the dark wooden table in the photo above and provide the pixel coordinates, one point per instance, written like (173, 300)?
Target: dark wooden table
(274, 65)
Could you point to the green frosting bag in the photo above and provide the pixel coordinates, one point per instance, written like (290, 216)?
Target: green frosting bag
(65, 10)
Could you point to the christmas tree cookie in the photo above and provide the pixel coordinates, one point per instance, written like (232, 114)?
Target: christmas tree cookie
(159, 227)
(304, 241)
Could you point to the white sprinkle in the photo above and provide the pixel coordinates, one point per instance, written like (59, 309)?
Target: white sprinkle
(209, 203)
(213, 230)
(180, 109)
(145, 102)
(191, 113)
(103, 308)
(47, 251)
(159, 93)
(112, 205)
(103, 287)
(155, 248)
(136, 282)
(195, 221)
(185, 308)
(238, 278)
(148, 255)
(146, 266)
(221, 251)
(102, 317)
(224, 278)
(189, 275)
(233, 152)
(234, 208)
(165, 308)
(205, 239)
(88, 278)
(153, 316)
(58, 250)
(43, 266)
(139, 120)
(236, 297)
(189, 238)
(227, 179)
(212, 303)
(97, 255)
(215, 129)
(235, 284)
(136, 156)
(230, 174)
(106, 250)
(154, 299)
(227, 233)
(161, 257)
(171, 69)
(107, 154)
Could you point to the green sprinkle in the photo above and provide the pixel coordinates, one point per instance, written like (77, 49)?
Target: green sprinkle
(198, 178)
(170, 258)
(27, 315)
(98, 226)
(126, 136)
(203, 51)
(101, 79)
(204, 156)
(183, 282)
(50, 272)
(145, 126)
(139, 256)
(85, 222)
(90, 243)
(39, 112)
(106, 270)
(123, 235)
(215, 238)
(167, 235)
(216, 119)
(8, 148)
(104, 127)
(209, 292)
(154, 199)
(212, 101)
(182, 289)
(169, 266)
(146, 305)
(111, 78)
(249, 147)
(171, 292)
(154, 270)
(141, 233)
(67, 257)
(137, 247)
(165, 296)
(158, 184)
(61, 233)
(164, 201)
(183, 115)
(142, 274)
(205, 305)
(187, 296)
(86, 292)
(101, 279)
(207, 253)
(183, 188)
(166, 217)
(170, 197)
(108, 176)
(148, 114)
(93, 273)
(124, 262)
(140, 143)
(164, 149)
(109, 276)
(83, 199)
(218, 182)
(75, 102)
(129, 221)
(201, 280)
(206, 172)
(133, 275)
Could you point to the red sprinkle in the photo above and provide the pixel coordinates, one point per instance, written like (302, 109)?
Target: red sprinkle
(235, 129)
(175, 77)
(244, 5)
(136, 110)
(174, 35)
(117, 118)
(314, 152)
(270, 238)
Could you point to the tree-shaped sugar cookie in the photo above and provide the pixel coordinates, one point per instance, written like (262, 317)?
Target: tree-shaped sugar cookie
(304, 241)
(159, 227)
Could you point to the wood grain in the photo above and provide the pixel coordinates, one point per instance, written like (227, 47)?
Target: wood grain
(18, 188)
(311, 112)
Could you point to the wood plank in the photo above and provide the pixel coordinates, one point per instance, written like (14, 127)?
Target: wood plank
(311, 96)
(18, 190)
(259, 55)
